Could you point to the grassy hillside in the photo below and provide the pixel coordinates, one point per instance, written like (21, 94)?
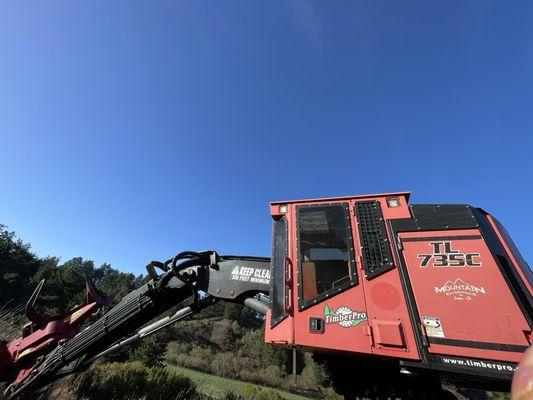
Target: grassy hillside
(217, 387)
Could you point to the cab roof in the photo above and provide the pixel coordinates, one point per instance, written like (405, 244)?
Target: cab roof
(340, 198)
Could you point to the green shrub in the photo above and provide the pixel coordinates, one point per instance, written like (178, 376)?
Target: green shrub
(129, 380)
(11, 319)
(315, 373)
(150, 351)
(255, 393)
(242, 315)
(201, 353)
(176, 350)
(270, 376)
(232, 396)
(254, 346)
(236, 328)
(194, 357)
(164, 384)
(226, 365)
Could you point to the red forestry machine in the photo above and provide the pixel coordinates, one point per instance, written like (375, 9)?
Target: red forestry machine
(392, 298)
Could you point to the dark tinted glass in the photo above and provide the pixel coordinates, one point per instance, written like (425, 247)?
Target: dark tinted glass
(522, 263)
(279, 252)
(324, 250)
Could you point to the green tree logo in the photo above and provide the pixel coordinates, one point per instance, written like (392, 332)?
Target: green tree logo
(344, 316)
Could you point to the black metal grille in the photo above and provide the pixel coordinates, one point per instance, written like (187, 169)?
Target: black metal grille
(377, 256)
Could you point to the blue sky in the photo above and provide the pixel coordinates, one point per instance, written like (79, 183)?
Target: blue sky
(131, 130)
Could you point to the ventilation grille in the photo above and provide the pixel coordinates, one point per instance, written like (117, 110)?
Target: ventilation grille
(377, 256)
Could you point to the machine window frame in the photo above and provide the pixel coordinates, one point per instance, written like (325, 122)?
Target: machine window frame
(376, 254)
(353, 281)
(278, 264)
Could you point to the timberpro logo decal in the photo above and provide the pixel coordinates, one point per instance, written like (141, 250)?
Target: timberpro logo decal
(460, 290)
(344, 316)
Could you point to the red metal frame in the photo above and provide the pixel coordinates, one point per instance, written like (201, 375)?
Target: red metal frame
(44, 332)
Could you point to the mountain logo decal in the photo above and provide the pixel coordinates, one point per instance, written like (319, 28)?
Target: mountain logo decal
(460, 290)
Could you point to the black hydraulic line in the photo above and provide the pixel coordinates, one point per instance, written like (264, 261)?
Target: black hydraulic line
(156, 326)
(192, 259)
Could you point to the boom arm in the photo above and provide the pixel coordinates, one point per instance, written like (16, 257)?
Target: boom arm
(206, 275)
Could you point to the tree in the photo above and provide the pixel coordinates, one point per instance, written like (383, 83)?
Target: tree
(243, 315)
(21, 270)
(17, 265)
(112, 281)
(65, 283)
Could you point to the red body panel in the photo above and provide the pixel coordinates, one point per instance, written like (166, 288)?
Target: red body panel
(335, 336)
(471, 303)
(385, 299)
(283, 334)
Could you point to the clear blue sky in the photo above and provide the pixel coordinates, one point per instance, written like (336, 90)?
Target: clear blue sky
(131, 130)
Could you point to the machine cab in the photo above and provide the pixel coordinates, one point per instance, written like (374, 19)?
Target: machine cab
(322, 270)
(373, 275)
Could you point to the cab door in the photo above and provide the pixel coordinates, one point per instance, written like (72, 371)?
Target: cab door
(330, 311)
(279, 328)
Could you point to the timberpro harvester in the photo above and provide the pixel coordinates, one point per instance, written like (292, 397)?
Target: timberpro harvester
(392, 298)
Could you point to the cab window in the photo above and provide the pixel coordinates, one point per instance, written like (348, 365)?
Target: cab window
(277, 285)
(325, 251)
